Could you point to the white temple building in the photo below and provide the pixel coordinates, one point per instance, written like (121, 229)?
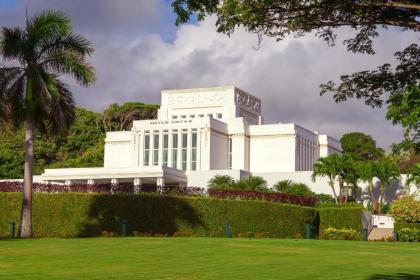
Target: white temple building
(200, 133)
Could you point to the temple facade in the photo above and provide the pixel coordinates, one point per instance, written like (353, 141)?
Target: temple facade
(200, 133)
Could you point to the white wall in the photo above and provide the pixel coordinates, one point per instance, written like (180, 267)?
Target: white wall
(271, 153)
(218, 151)
(119, 149)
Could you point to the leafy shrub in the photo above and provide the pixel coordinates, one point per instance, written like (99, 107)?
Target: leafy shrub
(289, 187)
(409, 235)
(340, 217)
(81, 214)
(102, 188)
(267, 196)
(341, 234)
(221, 182)
(406, 209)
(324, 198)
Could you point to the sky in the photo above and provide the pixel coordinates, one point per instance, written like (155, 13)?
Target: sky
(139, 51)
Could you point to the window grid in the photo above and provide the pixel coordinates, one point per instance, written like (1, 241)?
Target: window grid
(156, 148)
(194, 150)
(146, 149)
(175, 149)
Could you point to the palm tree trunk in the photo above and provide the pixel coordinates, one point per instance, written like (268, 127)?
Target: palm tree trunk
(333, 190)
(25, 228)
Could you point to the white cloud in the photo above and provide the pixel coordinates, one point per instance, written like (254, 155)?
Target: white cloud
(285, 75)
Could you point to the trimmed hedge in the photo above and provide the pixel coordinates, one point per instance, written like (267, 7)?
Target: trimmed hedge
(77, 214)
(339, 218)
(401, 225)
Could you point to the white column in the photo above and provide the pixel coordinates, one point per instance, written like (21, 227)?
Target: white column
(67, 182)
(160, 152)
(170, 135)
(160, 181)
(90, 182)
(189, 137)
(141, 149)
(198, 149)
(179, 159)
(137, 184)
(114, 181)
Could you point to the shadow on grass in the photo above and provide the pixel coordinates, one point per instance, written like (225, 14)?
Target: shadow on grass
(157, 215)
(395, 276)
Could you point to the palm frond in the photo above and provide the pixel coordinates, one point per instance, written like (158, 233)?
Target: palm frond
(12, 42)
(72, 63)
(45, 24)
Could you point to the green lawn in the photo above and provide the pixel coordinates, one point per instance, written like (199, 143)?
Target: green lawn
(206, 258)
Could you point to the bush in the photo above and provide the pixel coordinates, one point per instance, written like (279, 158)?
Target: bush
(267, 196)
(340, 217)
(341, 234)
(79, 214)
(324, 198)
(409, 235)
(406, 209)
(289, 187)
(102, 188)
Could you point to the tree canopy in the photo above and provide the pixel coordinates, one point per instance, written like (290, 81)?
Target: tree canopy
(83, 146)
(360, 146)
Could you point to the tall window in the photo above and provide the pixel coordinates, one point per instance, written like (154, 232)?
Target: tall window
(146, 149)
(165, 148)
(175, 149)
(230, 153)
(194, 150)
(156, 148)
(184, 150)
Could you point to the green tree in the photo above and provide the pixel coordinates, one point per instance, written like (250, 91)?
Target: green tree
(387, 171)
(360, 146)
(221, 182)
(120, 117)
(30, 87)
(367, 171)
(404, 109)
(414, 175)
(330, 167)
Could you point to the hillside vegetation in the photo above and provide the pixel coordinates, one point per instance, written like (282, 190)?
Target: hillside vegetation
(82, 147)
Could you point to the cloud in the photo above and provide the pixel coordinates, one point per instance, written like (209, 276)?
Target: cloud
(135, 60)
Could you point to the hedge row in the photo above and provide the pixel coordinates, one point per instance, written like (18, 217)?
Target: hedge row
(401, 225)
(77, 214)
(339, 218)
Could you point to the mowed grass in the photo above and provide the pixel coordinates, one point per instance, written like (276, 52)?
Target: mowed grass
(206, 258)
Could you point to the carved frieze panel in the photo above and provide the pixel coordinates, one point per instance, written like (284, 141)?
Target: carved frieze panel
(244, 99)
(199, 98)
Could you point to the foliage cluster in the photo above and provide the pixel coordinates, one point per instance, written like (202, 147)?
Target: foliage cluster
(340, 217)
(406, 209)
(409, 235)
(83, 146)
(76, 214)
(290, 187)
(226, 182)
(266, 196)
(341, 234)
(102, 188)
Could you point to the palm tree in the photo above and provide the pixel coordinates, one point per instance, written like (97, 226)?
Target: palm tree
(366, 171)
(31, 92)
(221, 182)
(255, 183)
(331, 167)
(387, 171)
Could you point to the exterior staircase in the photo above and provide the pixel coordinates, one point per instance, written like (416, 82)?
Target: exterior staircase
(381, 233)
